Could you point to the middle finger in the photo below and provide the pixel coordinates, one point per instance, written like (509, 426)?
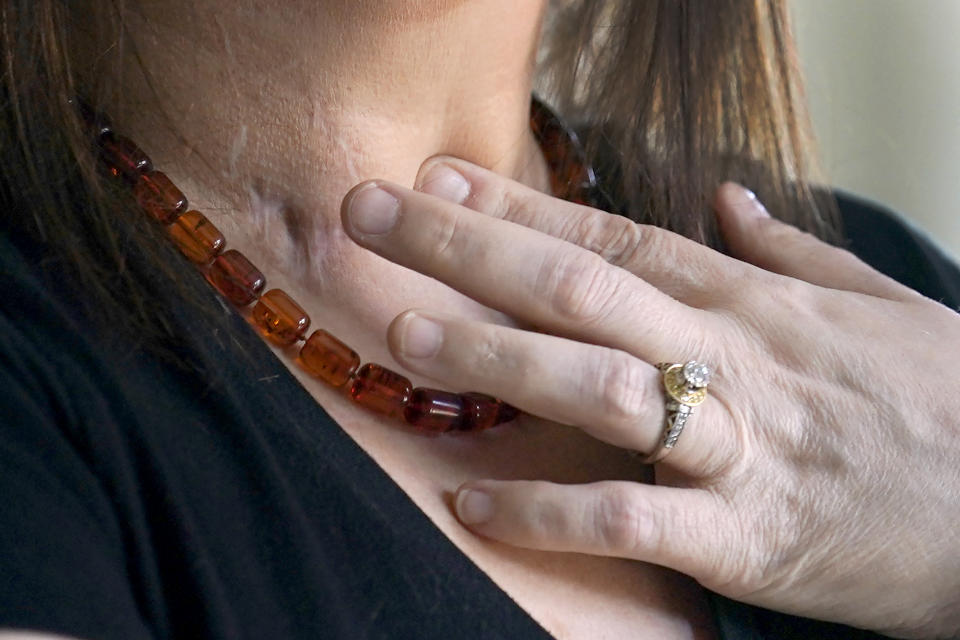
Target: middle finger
(531, 276)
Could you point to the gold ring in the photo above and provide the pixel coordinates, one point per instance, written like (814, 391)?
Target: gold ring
(685, 387)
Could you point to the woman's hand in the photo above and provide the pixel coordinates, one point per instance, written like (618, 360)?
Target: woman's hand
(822, 475)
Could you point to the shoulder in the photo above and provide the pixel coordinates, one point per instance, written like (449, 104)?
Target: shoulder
(886, 241)
(63, 558)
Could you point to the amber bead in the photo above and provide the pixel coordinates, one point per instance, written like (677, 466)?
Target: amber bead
(379, 389)
(329, 359)
(124, 157)
(480, 412)
(196, 237)
(280, 318)
(236, 278)
(433, 410)
(159, 197)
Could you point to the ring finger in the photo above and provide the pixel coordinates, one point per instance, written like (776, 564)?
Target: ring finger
(607, 392)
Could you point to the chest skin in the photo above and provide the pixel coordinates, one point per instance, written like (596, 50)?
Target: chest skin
(570, 595)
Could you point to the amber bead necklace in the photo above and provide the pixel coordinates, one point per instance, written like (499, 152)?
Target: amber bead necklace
(284, 322)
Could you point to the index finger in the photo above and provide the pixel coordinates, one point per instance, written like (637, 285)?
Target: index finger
(555, 285)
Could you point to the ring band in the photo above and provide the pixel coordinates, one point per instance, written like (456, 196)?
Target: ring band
(685, 387)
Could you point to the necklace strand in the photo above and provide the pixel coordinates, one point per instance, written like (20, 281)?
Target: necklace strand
(284, 322)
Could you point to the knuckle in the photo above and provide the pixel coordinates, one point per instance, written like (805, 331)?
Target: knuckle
(623, 388)
(502, 202)
(447, 238)
(487, 354)
(619, 520)
(492, 197)
(657, 244)
(614, 238)
(626, 243)
(627, 524)
(581, 288)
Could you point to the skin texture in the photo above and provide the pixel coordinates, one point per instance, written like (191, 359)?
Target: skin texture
(819, 478)
(266, 118)
(774, 495)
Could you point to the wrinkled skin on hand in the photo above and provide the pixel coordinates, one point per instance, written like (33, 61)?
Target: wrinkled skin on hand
(820, 477)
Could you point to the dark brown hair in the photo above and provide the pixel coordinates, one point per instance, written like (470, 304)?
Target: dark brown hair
(680, 96)
(687, 94)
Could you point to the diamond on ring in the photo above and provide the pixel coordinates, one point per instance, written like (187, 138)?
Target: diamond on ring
(696, 374)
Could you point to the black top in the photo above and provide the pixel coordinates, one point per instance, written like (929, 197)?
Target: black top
(140, 500)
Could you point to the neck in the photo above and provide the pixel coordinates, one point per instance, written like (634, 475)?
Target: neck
(266, 117)
(283, 110)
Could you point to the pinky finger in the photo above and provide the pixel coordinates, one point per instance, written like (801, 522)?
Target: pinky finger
(753, 236)
(683, 529)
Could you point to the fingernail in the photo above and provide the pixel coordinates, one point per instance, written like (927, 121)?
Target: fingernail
(421, 337)
(373, 211)
(474, 507)
(756, 208)
(444, 182)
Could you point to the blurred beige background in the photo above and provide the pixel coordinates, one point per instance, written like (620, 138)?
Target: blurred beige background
(883, 81)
